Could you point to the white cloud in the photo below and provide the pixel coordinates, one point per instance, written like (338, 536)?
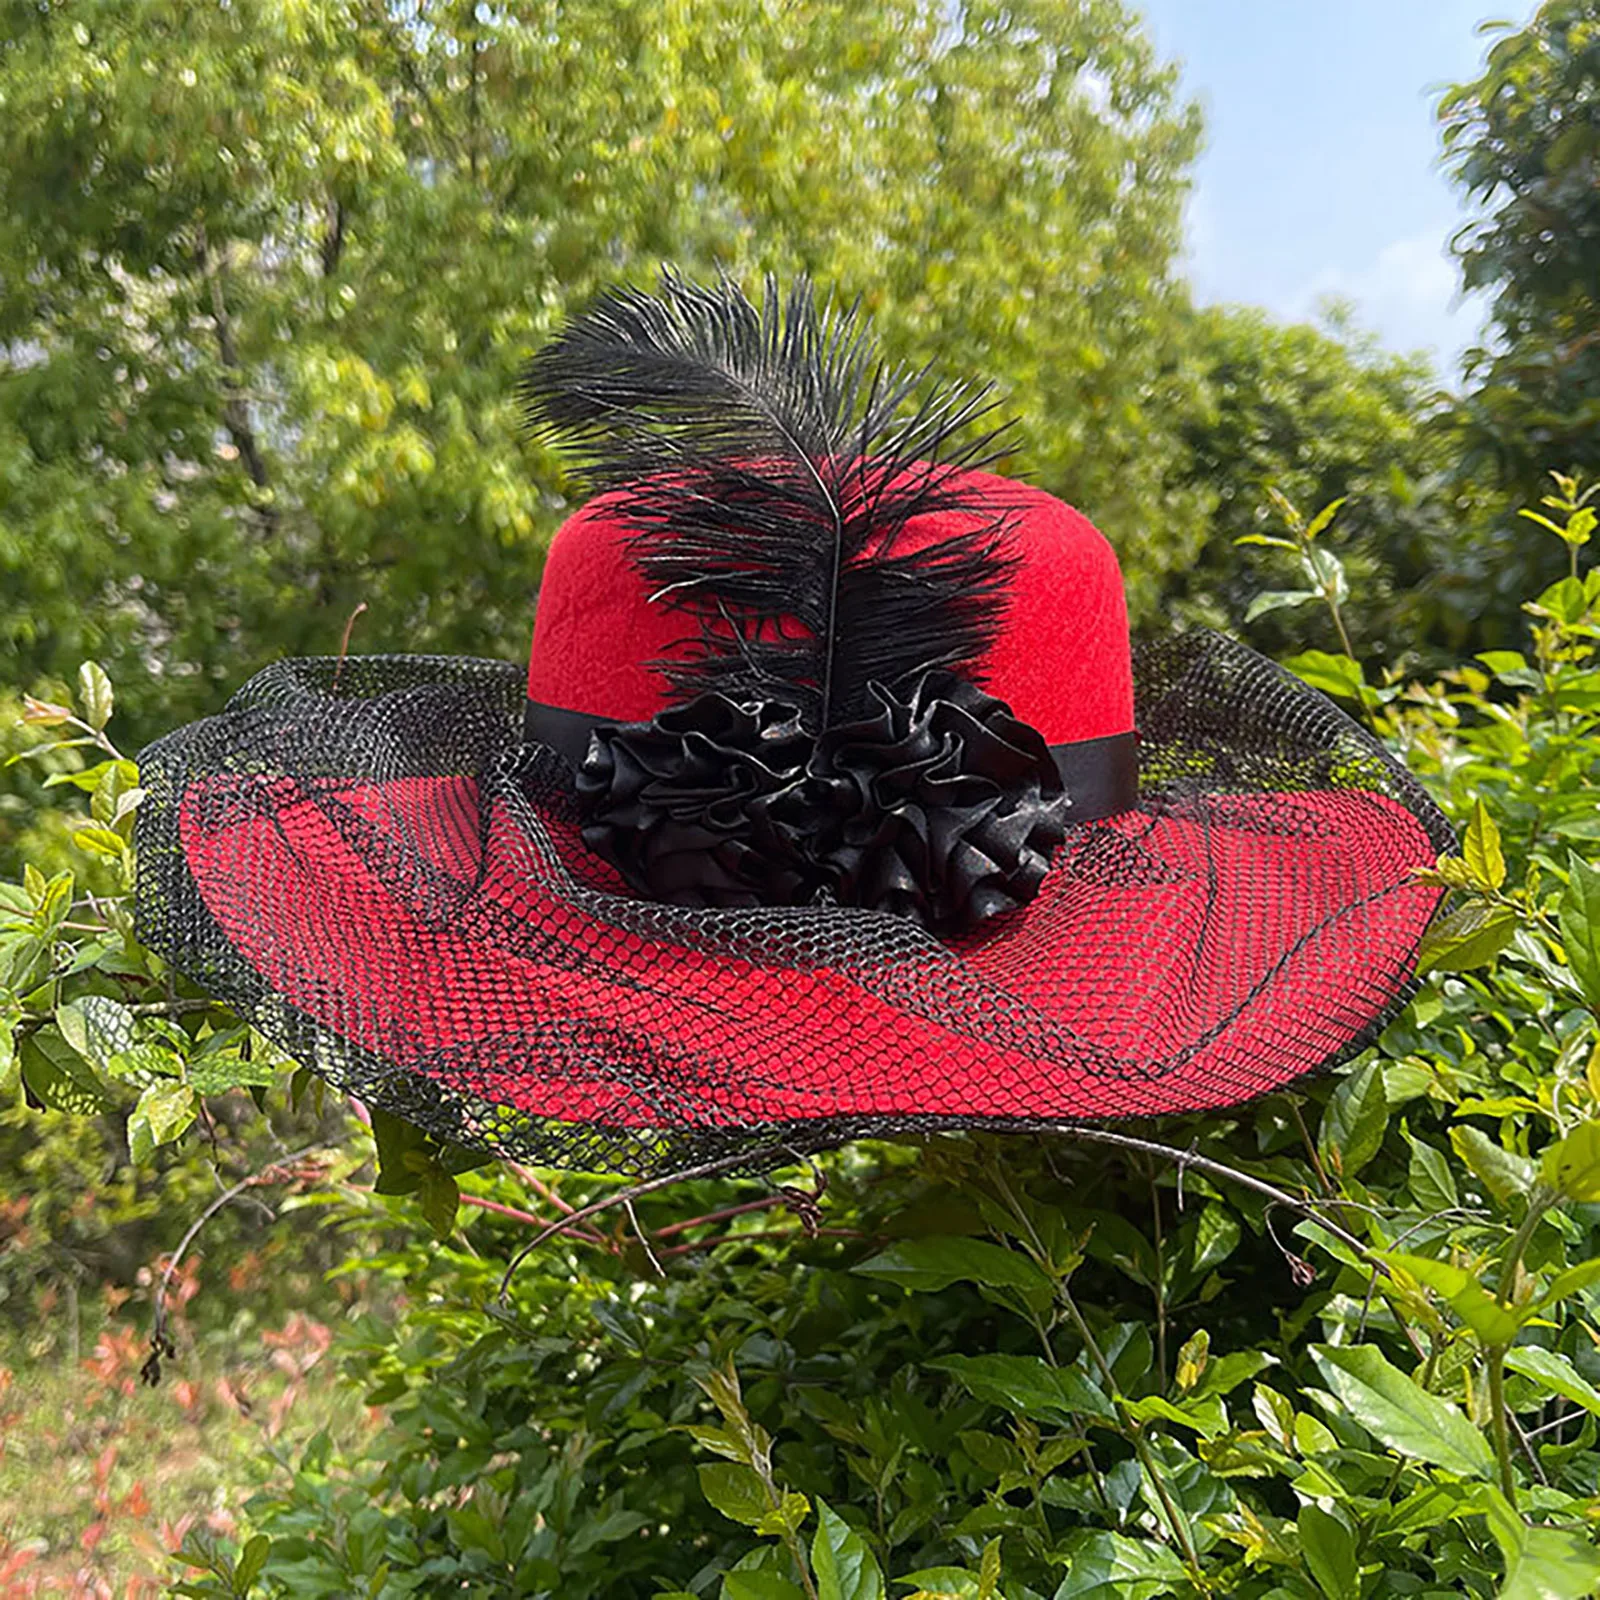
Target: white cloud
(1408, 294)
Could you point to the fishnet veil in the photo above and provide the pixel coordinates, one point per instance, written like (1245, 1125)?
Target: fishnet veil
(362, 859)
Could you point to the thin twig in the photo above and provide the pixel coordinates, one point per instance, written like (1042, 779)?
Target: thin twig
(756, 1234)
(160, 1344)
(1547, 1427)
(344, 641)
(766, 1203)
(1217, 1169)
(532, 1218)
(1180, 1158)
(1526, 1448)
(644, 1239)
(706, 1169)
(540, 1188)
(169, 1008)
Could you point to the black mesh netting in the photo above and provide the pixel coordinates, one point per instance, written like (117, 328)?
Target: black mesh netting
(361, 858)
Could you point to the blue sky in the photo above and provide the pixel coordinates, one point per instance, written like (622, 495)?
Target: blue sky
(1320, 174)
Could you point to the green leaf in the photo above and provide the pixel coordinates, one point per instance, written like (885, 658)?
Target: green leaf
(1510, 667)
(1565, 601)
(144, 1062)
(1571, 1166)
(114, 779)
(1216, 1237)
(396, 1140)
(1542, 520)
(1468, 936)
(1028, 1387)
(1399, 1413)
(1330, 1551)
(759, 1586)
(845, 1568)
(1193, 1358)
(1324, 569)
(1429, 1178)
(1353, 1126)
(1579, 912)
(615, 1525)
(162, 1114)
(440, 1198)
(1541, 1563)
(1110, 1566)
(97, 1027)
(1502, 1172)
(1277, 600)
(1570, 1281)
(1493, 1323)
(95, 695)
(1324, 517)
(941, 1583)
(1335, 675)
(10, 1059)
(1552, 1370)
(251, 1561)
(55, 901)
(59, 1078)
(100, 841)
(932, 1264)
(989, 1571)
(1205, 1416)
(1224, 1374)
(735, 1490)
(790, 1514)
(216, 1074)
(1481, 849)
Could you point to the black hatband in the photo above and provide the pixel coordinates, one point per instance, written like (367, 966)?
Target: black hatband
(1101, 775)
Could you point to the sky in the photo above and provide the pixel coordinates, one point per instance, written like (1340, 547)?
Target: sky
(1320, 174)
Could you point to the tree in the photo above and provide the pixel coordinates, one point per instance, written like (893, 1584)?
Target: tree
(1317, 415)
(1523, 142)
(267, 271)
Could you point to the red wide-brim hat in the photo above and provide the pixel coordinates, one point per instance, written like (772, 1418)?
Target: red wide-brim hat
(833, 803)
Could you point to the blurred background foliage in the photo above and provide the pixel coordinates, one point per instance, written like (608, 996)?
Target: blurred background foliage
(268, 270)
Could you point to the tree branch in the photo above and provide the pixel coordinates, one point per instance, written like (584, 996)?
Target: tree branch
(333, 238)
(773, 1155)
(235, 413)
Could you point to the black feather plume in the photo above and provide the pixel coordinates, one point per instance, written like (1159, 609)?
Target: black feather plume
(768, 462)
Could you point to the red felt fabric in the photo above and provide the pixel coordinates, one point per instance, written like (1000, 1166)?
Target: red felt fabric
(1061, 661)
(1171, 963)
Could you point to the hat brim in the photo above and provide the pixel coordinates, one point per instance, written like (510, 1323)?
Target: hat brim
(375, 874)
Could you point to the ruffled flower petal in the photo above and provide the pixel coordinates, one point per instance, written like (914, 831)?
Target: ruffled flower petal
(942, 807)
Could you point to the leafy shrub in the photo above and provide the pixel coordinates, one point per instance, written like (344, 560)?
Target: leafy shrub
(1339, 1343)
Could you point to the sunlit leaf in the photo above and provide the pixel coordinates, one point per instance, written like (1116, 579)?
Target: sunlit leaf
(1502, 1172)
(1580, 927)
(1399, 1413)
(1571, 1166)
(844, 1566)
(1542, 1563)
(1555, 1375)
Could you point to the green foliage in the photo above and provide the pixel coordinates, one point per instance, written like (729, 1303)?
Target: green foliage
(1011, 1369)
(1523, 143)
(1313, 414)
(267, 272)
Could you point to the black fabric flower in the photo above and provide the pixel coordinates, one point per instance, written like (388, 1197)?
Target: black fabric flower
(680, 803)
(942, 807)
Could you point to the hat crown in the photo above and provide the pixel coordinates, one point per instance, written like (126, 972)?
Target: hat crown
(1060, 657)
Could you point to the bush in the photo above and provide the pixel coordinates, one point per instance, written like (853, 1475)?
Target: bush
(1339, 1343)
